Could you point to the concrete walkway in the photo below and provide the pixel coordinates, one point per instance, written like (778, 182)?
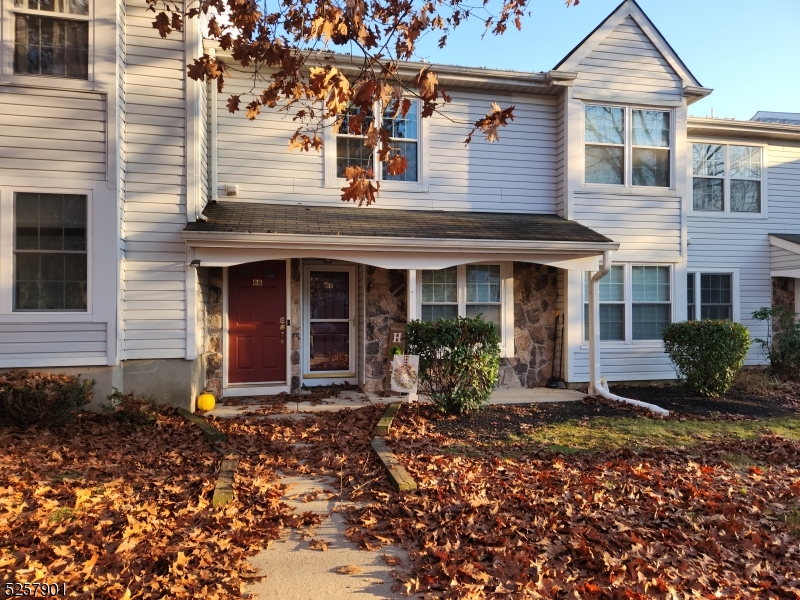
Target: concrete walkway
(358, 399)
(297, 568)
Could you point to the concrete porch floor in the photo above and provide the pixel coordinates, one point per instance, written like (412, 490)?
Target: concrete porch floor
(357, 399)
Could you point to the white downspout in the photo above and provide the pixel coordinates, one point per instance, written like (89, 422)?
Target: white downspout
(597, 386)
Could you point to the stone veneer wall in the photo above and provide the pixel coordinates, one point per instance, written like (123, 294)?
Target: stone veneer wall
(385, 298)
(213, 333)
(783, 294)
(535, 305)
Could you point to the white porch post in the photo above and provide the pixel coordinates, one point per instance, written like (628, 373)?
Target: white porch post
(412, 308)
(594, 323)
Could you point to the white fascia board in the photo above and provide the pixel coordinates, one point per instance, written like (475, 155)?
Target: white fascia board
(793, 273)
(388, 258)
(784, 244)
(393, 244)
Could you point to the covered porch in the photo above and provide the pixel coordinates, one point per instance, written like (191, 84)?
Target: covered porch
(331, 288)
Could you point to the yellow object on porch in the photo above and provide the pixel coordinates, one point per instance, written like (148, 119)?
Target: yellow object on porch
(206, 401)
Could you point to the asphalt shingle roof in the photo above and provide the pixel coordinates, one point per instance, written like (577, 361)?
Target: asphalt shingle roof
(789, 237)
(248, 217)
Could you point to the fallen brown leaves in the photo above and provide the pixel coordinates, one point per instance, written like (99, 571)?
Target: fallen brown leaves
(656, 524)
(106, 511)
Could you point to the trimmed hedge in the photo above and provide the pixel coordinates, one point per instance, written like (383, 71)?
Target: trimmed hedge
(459, 361)
(28, 399)
(707, 354)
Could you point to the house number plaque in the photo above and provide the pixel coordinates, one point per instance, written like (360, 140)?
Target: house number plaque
(257, 282)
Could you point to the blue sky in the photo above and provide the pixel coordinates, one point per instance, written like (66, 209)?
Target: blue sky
(746, 50)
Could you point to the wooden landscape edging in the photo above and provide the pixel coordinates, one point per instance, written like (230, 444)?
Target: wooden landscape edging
(398, 476)
(223, 489)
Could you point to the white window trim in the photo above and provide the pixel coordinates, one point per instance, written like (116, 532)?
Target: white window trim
(423, 173)
(726, 211)
(7, 75)
(627, 185)
(7, 237)
(506, 300)
(628, 273)
(734, 271)
(322, 377)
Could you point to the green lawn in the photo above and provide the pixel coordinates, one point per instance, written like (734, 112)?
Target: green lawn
(636, 432)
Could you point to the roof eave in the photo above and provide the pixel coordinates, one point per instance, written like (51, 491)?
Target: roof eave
(238, 239)
(549, 83)
(709, 126)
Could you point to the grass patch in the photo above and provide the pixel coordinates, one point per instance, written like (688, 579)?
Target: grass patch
(62, 514)
(602, 433)
(741, 461)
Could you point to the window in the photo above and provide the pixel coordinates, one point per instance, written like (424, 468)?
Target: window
(612, 305)
(404, 139)
(466, 290)
(440, 294)
(715, 295)
(50, 259)
(635, 303)
(726, 178)
(48, 45)
(610, 153)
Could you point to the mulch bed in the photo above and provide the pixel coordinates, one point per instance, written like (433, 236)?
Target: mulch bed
(681, 399)
(499, 422)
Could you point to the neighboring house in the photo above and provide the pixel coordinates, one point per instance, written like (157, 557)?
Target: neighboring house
(152, 240)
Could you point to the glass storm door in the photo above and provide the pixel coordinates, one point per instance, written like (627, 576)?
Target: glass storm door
(331, 319)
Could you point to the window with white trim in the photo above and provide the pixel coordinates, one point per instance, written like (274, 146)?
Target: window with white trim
(50, 257)
(465, 290)
(51, 37)
(627, 146)
(404, 136)
(727, 178)
(635, 303)
(712, 292)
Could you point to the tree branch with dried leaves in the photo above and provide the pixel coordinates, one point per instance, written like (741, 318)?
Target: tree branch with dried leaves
(290, 46)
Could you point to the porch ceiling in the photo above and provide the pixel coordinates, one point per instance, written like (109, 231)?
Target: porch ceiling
(387, 237)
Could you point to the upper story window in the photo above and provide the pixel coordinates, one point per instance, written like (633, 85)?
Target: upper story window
(50, 258)
(627, 146)
(51, 37)
(404, 135)
(726, 178)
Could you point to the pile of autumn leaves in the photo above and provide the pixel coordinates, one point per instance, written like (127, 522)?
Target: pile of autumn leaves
(112, 511)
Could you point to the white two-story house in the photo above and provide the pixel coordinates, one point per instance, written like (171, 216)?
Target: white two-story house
(156, 242)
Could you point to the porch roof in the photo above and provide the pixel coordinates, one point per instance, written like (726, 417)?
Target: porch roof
(247, 217)
(239, 232)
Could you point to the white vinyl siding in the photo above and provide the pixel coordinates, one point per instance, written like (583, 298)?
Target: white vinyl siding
(516, 175)
(52, 134)
(52, 344)
(155, 194)
(628, 63)
(783, 259)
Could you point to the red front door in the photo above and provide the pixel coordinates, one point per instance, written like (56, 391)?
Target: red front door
(257, 322)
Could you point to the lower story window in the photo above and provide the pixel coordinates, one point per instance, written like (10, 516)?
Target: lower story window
(635, 303)
(466, 291)
(50, 259)
(714, 295)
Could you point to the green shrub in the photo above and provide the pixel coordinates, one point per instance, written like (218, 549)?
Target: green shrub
(44, 399)
(132, 409)
(459, 361)
(782, 347)
(707, 354)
